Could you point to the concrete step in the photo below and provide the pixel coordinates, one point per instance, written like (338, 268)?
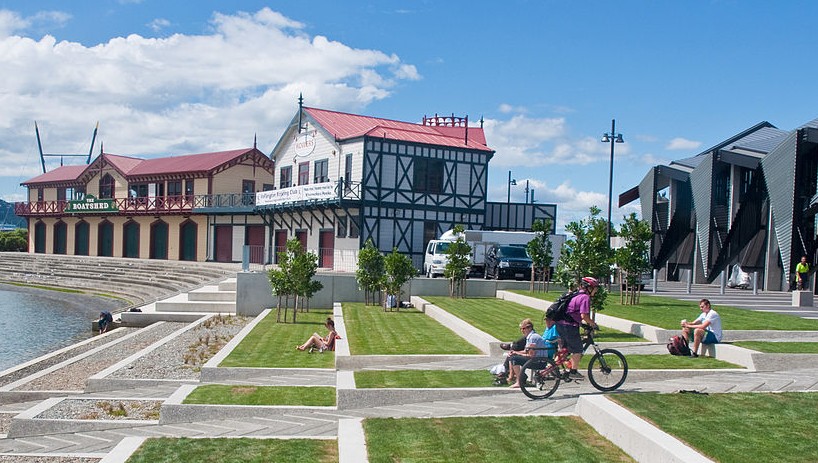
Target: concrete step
(228, 284)
(181, 303)
(211, 293)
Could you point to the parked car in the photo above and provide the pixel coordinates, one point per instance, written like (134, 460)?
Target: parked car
(507, 262)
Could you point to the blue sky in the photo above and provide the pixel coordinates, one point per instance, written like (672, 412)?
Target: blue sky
(177, 77)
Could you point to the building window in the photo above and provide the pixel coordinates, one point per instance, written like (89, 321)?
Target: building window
(138, 190)
(304, 173)
(746, 181)
(106, 187)
(189, 188)
(175, 188)
(321, 171)
(268, 187)
(721, 189)
(428, 175)
(353, 228)
(285, 177)
(60, 194)
(341, 227)
(348, 173)
(248, 189)
(40, 195)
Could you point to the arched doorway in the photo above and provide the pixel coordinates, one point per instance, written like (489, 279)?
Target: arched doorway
(81, 238)
(60, 237)
(105, 240)
(130, 239)
(39, 237)
(159, 240)
(188, 232)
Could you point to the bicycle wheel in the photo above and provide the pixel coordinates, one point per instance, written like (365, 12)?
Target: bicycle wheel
(539, 378)
(607, 370)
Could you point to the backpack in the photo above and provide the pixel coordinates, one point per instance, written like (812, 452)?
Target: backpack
(678, 346)
(557, 311)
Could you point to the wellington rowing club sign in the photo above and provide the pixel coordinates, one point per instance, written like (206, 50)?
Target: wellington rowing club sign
(90, 204)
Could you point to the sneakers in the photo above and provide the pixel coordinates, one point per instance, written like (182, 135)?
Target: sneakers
(693, 355)
(574, 374)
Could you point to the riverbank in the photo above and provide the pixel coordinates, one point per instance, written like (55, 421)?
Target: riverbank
(39, 320)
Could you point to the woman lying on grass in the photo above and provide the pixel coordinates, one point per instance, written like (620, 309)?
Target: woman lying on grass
(317, 342)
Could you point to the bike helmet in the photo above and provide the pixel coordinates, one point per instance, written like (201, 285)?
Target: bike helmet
(590, 282)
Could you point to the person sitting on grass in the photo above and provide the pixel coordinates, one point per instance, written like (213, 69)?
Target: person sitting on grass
(706, 328)
(317, 342)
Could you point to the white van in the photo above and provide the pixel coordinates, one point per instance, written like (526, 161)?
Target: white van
(435, 259)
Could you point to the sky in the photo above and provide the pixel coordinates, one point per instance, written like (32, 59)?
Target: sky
(547, 77)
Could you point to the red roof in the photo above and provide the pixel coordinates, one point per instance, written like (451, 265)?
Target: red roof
(132, 167)
(346, 126)
(188, 163)
(60, 174)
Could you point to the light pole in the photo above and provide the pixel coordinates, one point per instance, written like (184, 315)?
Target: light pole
(611, 138)
(511, 181)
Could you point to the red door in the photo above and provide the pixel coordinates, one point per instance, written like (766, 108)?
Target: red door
(255, 239)
(224, 243)
(301, 235)
(280, 243)
(326, 248)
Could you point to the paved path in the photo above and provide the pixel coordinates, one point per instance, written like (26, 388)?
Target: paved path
(324, 422)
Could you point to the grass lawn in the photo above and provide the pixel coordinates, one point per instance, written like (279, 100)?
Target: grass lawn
(501, 319)
(736, 427)
(422, 378)
(518, 439)
(371, 331)
(665, 312)
(221, 394)
(668, 362)
(272, 345)
(784, 347)
(241, 450)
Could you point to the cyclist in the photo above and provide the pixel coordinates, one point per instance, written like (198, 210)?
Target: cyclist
(578, 312)
(532, 340)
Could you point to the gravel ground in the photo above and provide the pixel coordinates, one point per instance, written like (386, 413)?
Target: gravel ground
(183, 356)
(102, 409)
(44, 459)
(5, 422)
(72, 377)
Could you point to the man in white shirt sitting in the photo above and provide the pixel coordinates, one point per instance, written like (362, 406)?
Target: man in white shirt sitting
(706, 328)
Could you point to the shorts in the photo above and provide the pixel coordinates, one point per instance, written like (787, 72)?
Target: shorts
(709, 338)
(570, 337)
(517, 359)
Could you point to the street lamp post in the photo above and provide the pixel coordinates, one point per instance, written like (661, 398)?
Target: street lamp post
(511, 181)
(611, 138)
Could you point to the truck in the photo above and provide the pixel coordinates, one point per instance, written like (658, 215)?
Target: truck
(435, 258)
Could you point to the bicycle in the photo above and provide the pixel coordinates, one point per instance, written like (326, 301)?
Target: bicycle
(541, 376)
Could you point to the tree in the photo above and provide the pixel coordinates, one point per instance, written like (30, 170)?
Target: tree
(302, 269)
(280, 280)
(14, 240)
(370, 271)
(457, 267)
(293, 277)
(540, 251)
(586, 254)
(633, 259)
(398, 270)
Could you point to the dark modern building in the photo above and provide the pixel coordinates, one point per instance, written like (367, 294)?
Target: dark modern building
(750, 200)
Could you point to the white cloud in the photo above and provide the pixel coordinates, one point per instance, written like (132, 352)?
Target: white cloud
(158, 24)
(180, 94)
(506, 108)
(653, 160)
(683, 144)
(11, 22)
(534, 142)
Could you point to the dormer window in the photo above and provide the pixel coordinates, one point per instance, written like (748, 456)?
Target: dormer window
(106, 187)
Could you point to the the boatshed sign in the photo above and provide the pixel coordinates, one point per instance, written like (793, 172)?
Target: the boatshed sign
(90, 205)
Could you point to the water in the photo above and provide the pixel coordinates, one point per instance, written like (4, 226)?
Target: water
(34, 322)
